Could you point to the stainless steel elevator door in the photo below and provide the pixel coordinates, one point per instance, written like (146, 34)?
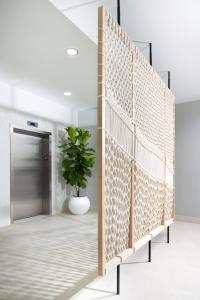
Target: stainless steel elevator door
(29, 174)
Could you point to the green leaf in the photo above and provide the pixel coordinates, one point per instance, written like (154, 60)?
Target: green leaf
(90, 149)
(83, 137)
(72, 134)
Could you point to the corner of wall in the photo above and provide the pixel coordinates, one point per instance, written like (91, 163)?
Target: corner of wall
(88, 117)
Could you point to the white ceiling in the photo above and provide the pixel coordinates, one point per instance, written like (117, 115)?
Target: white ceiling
(34, 36)
(84, 13)
(173, 26)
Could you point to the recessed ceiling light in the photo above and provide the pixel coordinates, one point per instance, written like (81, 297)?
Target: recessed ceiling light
(67, 93)
(72, 51)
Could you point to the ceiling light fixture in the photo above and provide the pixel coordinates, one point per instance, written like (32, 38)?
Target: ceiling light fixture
(67, 93)
(72, 51)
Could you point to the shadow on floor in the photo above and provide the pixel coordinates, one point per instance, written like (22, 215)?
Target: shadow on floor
(44, 258)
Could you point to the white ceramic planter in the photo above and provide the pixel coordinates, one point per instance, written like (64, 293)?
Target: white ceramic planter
(79, 205)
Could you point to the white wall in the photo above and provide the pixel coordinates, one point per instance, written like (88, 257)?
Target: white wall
(17, 99)
(188, 159)
(88, 118)
(16, 107)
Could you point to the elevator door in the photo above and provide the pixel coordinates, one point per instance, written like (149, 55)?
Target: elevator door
(29, 174)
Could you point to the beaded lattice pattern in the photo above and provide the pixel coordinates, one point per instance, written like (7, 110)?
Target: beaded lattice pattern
(117, 198)
(149, 200)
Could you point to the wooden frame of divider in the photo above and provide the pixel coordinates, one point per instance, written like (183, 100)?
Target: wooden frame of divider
(101, 142)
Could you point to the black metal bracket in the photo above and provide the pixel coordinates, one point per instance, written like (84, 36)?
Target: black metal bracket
(149, 251)
(119, 22)
(150, 50)
(169, 79)
(118, 12)
(168, 235)
(118, 279)
(118, 267)
(150, 54)
(168, 76)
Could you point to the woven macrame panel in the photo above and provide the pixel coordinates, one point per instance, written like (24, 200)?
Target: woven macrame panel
(119, 119)
(154, 120)
(116, 103)
(117, 199)
(136, 126)
(119, 67)
(149, 201)
(149, 102)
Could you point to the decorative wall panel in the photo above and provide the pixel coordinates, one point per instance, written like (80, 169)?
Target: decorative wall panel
(150, 145)
(136, 145)
(117, 198)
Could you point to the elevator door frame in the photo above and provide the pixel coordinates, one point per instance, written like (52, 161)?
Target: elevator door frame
(42, 133)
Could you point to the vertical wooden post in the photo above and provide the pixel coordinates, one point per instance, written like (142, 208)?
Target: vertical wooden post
(132, 210)
(163, 216)
(101, 141)
(173, 211)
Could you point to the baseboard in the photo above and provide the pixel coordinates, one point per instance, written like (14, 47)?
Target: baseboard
(187, 219)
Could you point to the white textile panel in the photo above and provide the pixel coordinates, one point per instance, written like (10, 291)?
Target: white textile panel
(118, 127)
(149, 157)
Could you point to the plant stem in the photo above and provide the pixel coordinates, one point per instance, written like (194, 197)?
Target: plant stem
(77, 191)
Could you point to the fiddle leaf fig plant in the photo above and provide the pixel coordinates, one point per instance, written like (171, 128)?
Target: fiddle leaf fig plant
(78, 158)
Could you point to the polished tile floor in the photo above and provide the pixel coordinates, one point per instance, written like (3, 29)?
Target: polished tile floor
(173, 274)
(47, 258)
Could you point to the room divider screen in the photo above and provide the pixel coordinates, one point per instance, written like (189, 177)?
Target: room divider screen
(136, 147)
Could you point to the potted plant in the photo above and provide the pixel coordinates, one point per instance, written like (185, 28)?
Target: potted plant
(78, 159)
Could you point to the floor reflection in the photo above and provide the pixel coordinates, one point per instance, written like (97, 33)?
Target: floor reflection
(47, 257)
